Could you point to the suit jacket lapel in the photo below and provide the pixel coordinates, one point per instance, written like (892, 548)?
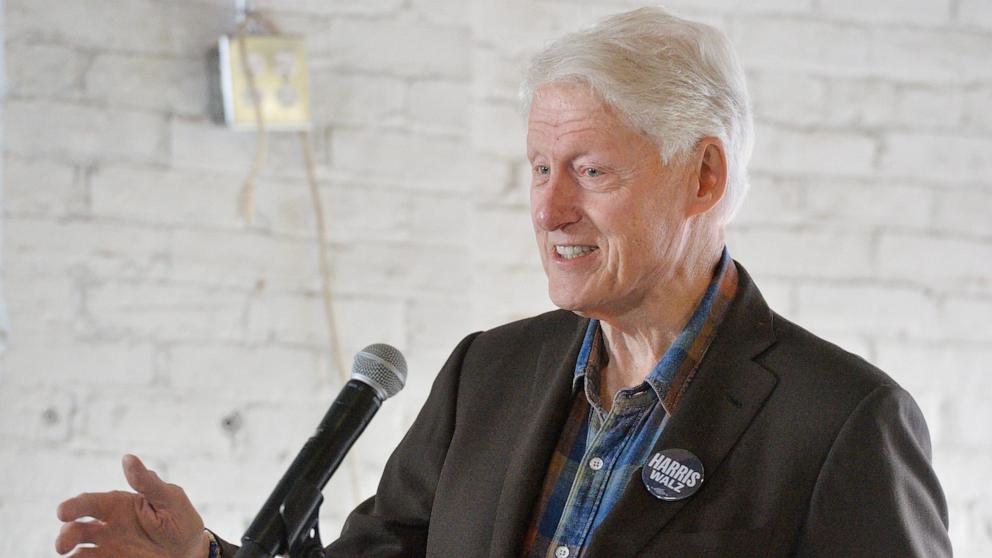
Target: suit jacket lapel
(549, 400)
(728, 390)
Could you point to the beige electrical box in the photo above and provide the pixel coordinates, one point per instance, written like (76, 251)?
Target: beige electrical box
(278, 63)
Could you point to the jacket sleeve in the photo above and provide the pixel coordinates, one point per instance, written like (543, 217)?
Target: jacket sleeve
(876, 494)
(394, 522)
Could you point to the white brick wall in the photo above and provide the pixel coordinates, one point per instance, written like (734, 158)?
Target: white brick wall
(146, 316)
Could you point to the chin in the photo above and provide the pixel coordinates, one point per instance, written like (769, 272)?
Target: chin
(567, 301)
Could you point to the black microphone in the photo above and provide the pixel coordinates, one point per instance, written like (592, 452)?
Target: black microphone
(288, 519)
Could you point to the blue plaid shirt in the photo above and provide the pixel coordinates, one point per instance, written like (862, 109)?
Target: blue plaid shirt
(598, 451)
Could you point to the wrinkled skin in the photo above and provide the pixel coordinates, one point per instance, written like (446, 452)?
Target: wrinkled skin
(155, 521)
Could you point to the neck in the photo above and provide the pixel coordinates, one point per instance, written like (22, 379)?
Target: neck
(637, 339)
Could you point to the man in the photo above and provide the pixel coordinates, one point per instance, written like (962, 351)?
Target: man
(666, 410)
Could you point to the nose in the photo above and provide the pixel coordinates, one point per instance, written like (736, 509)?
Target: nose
(554, 204)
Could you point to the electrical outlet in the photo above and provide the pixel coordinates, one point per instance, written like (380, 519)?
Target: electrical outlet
(278, 63)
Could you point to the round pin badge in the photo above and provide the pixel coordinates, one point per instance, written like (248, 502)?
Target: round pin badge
(672, 474)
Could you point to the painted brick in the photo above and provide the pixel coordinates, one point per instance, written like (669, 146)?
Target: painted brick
(353, 210)
(329, 7)
(42, 415)
(163, 422)
(965, 211)
(966, 318)
(975, 13)
(148, 82)
(947, 260)
(153, 195)
(803, 44)
(505, 237)
(41, 188)
(930, 55)
(355, 99)
(930, 108)
(510, 294)
(54, 358)
(926, 367)
(440, 106)
(436, 325)
(496, 75)
(151, 311)
(788, 97)
(84, 134)
(143, 26)
(438, 219)
(296, 319)
(243, 261)
(409, 160)
(202, 145)
(859, 104)
(272, 372)
(443, 12)
(772, 200)
(810, 253)
(926, 12)
(868, 202)
(43, 305)
(945, 157)
(501, 181)
(933, 55)
(44, 70)
(86, 248)
(401, 269)
(499, 130)
(834, 153)
(870, 310)
(406, 48)
(977, 102)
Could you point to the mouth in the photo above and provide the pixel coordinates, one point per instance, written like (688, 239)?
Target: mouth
(573, 251)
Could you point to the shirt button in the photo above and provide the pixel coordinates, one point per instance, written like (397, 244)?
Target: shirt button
(595, 463)
(561, 552)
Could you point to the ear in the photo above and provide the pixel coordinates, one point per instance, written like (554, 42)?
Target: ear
(708, 178)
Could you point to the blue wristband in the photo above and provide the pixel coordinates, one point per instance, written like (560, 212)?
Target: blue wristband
(214, 547)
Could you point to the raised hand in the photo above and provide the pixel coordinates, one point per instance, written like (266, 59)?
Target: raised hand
(157, 522)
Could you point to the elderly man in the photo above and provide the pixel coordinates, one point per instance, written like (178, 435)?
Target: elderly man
(665, 410)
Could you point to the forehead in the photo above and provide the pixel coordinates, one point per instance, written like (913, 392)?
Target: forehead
(572, 112)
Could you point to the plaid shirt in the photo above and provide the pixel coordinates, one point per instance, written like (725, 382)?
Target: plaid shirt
(599, 451)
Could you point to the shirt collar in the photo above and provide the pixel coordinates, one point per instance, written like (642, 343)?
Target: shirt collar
(672, 375)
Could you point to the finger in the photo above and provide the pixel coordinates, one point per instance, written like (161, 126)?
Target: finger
(87, 504)
(145, 482)
(77, 532)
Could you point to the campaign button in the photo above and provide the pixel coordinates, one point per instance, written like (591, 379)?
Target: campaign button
(672, 474)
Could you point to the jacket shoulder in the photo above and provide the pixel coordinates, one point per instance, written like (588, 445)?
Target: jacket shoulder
(528, 336)
(799, 352)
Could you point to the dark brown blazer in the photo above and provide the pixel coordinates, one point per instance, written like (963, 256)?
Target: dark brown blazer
(808, 451)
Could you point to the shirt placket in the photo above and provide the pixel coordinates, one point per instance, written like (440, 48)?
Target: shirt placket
(609, 434)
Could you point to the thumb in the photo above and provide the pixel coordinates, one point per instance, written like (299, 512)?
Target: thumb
(144, 481)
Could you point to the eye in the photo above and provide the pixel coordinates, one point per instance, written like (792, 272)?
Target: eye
(542, 169)
(592, 172)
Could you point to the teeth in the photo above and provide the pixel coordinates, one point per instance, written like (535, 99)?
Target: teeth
(571, 252)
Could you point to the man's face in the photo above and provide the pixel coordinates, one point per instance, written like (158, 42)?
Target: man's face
(610, 218)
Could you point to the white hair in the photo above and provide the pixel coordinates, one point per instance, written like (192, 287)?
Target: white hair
(677, 81)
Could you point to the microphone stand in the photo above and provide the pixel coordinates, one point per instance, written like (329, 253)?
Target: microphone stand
(288, 520)
(300, 514)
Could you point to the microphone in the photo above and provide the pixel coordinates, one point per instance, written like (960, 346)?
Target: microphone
(288, 520)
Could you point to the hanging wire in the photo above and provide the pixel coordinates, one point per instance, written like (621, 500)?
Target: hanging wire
(246, 20)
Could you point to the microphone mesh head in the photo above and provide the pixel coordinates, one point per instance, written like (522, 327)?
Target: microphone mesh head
(381, 366)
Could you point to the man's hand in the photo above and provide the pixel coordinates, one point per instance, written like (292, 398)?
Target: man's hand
(157, 522)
